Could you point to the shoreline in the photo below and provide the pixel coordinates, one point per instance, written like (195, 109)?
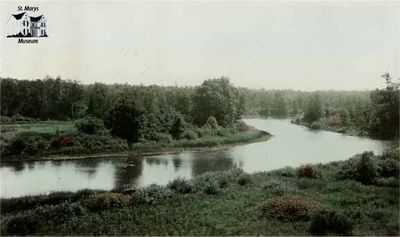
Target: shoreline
(263, 136)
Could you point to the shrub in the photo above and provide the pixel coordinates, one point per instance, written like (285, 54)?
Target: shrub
(181, 185)
(243, 127)
(361, 168)
(330, 222)
(292, 208)
(306, 183)
(284, 172)
(211, 123)
(307, 171)
(209, 182)
(63, 141)
(211, 188)
(244, 179)
(89, 125)
(22, 224)
(106, 200)
(189, 135)
(59, 213)
(30, 202)
(28, 143)
(151, 194)
(315, 125)
(30, 221)
(366, 169)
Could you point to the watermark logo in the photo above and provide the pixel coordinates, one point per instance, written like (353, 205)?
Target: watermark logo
(27, 25)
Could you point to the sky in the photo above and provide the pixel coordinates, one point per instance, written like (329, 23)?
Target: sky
(257, 44)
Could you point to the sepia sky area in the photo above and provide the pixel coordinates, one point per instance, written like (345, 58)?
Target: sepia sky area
(271, 45)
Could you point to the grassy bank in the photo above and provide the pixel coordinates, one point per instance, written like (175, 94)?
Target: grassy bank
(61, 140)
(359, 196)
(330, 124)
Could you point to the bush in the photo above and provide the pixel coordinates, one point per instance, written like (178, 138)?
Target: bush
(181, 185)
(330, 222)
(31, 221)
(361, 168)
(243, 127)
(101, 201)
(30, 202)
(315, 125)
(211, 188)
(291, 208)
(151, 194)
(28, 143)
(307, 171)
(366, 169)
(244, 179)
(22, 224)
(209, 182)
(63, 141)
(211, 123)
(59, 213)
(89, 125)
(189, 135)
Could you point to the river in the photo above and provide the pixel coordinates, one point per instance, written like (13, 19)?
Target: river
(291, 145)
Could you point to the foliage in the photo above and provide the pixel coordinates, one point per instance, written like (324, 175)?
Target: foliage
(366, 169)
(151, 195)
(211, 123)
(218, 98)
(292, 208)
(33, 144)
(89, 125)
(28, 143)
(361, 168)
(29, 222)
(384, 121)
(313, 111)
(307, 171)
(235, 210)
(330, 222)
(101, 201)
(124, 119)
(44, 99)
(181, 185)
(244, 179)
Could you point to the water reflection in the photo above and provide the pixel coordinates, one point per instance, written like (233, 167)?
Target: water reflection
(128, 172)
(290, 146)
(218, 161)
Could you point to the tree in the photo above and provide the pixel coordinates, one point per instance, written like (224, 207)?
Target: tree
(385, 115)
(218, 98)
(98, 97)
(313, 110)
(124, 119)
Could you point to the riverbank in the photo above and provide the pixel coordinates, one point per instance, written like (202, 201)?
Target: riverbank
(207, 143)
(309, 199)
(325, 124)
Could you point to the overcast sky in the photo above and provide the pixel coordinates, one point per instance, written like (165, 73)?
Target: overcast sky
(275, 45)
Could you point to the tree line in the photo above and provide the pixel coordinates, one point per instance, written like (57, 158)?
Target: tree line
(54, 98)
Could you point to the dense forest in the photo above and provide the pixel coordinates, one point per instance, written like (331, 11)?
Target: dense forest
(373, 113)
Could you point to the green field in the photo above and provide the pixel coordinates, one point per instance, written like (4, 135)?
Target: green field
(9, 130)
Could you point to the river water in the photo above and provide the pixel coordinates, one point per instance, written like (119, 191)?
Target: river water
(291, 145)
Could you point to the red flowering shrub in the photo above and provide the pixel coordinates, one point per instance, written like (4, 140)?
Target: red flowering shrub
(307, 171)
(243, 127)
(288, 207)
(63, 141)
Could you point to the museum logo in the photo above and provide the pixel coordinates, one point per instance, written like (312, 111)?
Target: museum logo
(27, 25)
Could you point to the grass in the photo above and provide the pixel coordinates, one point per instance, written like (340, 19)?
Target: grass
(234, 207)
(9, 130)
